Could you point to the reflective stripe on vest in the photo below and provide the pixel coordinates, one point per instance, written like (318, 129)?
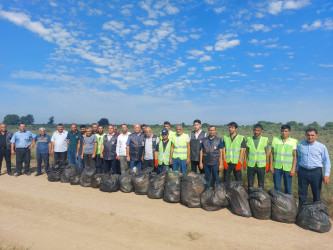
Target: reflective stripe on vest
(180, 148)
(164, 155)
(233, 148)
(257, 155)
(99, 143)
(283, 153)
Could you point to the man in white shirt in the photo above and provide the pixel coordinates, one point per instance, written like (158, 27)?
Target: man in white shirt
(196, 136)
(121, 148)
(150, 143)
(59, 144)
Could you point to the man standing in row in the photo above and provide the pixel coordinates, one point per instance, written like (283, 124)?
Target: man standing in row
(59, 144)
(150, 143)
(196, 137)
(162, 152)
(99, 159)
(5, 137)
(180, 150)
(211, 157)
(121, 148)
(283, 159)
(167, 126)
(21, 143)
(312, 158)
(257, 153)
(73, 138)
(89, 149)
(233, 151)
(80, 162)
(43, 146)
(94, 127)
(108, 151)
(134, 148)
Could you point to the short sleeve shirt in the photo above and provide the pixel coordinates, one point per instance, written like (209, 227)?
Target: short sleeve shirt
(43, 144)
(73, 139)
(89, 144)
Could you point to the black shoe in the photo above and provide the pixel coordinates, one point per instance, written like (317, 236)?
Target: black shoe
(10, 173)
(27, 173)
(18, 174)
(38, 174)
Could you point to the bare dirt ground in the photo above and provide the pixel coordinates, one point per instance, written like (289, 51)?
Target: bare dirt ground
(38, 214)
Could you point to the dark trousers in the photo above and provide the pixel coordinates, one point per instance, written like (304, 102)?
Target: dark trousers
(45, 158)
(110, 166)
(232, 169)
(60, 157)
(195, 167)
(160, 168)
(209, 170)
(287, 180)
(99, 164)
(251, 172)
(148, 164)
(312, 177)
(5, 153)
(22, 155)
(88, 160)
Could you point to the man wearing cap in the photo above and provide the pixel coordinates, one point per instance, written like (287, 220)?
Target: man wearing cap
(196, 140)
(180, 150)
(162, 152)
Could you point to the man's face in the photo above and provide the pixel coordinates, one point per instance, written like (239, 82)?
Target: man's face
(148, 132)
(232, 129)
(100, 129)
(143, 128)
(22, 127)
(197, 126)
(74, 128)
(83, 130)
(179, 130)
(60, 129)
(110, 130)
(311, 136)
(137, 129)
(94, 127)
(3, 128)
(212, 131)
(257, 132)
(42, 132)
(165, 137)
(167, 126)
(124, 129)
(285, 133)
(89, 132)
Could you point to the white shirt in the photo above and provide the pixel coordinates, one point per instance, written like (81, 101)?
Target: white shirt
(121, 144)
(177, 140)
(110, 136)
(60, 141)
(149, 154)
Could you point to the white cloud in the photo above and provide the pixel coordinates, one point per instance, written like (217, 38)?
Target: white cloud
(219, 9)
(275, 7)
(171, 10)
(205, 58)
(117, 27)
(53, 4)
(209, 48)
(254, 54)
(195, 53)
(101, 71)
(150, 22)
(326, 65)
(259, 26)
(195, 36)
(143, 36)
(224, 43)
(126, 9)
(326, 24)
(209, 68)
(94, 12)
(257, 66)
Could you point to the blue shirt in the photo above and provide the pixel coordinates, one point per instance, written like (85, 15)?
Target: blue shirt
(22, 139)
(312, 156)
(43, 144)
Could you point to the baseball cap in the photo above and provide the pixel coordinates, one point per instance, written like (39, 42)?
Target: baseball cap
(165, 132)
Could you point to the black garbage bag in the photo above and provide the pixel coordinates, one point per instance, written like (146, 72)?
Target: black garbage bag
(214, 198)
(96, 180)
(238, 199)
(54, 173)
(110, 183)
(67, 173)
(191, 187)
(147, 170)
(260, 203)
(86, 176)
(156, 186)
(314, 216)
(172, 186)
(125, 181)
(284, 207)
(75, 179)
(141, 182)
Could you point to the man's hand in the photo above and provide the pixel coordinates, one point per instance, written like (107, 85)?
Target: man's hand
(93, 156)
(156, 163)
(101, 155)
(292, 172)
(51, 152)
(296, 173)
(225, 164)
(200, 165)
(13, 152)
(272, 169)
(127, 158)
(238, 166)
(142, 158)
(170, 160)
(188, 161)
(326, 180)
(267, 167)
(30, 146)
(77, 154)
(244, 164)
(220, 167)
(118, 157)
(82, 156)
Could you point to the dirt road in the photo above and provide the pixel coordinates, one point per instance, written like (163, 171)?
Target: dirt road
(38, 214)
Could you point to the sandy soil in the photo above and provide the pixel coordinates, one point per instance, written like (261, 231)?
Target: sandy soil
(38, 214)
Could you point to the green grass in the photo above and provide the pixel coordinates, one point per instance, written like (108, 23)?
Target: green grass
(272, 129)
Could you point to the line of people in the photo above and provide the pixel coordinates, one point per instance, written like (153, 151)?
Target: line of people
(112, 152)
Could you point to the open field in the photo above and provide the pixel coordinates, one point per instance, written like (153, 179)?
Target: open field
(37, 214)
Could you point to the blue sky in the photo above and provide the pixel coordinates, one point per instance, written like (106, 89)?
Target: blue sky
(151, 61)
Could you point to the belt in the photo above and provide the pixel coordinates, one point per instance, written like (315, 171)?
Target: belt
(22, 148)
(309, 170)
